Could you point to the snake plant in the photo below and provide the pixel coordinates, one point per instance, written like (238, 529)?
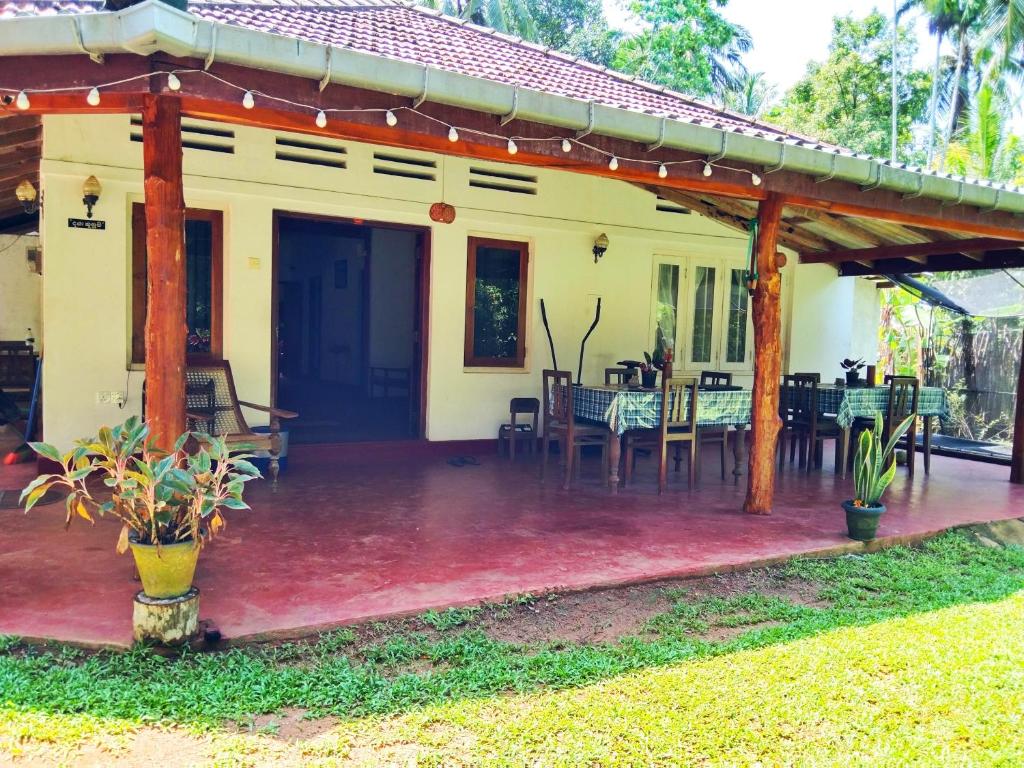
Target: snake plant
(874, 467)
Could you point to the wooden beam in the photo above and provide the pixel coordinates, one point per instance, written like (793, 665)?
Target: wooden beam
(1017, 457)
(165, 262)
(839, 224)
(767, 315)
(914, 251)
(956, 262)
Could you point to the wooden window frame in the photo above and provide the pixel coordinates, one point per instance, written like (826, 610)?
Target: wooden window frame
(138, 283)
(469, 359)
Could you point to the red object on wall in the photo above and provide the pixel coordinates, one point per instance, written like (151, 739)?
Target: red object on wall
(442, 212)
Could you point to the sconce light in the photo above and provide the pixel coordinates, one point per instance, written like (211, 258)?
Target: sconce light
(27, 196)
(91, 194)
(600, 246)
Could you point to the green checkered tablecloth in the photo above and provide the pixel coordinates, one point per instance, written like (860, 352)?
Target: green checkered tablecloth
(625, 409)
(849, 403)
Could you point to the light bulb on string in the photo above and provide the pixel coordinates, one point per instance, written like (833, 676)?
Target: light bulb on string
(453, 135)
(21, 102)
(390, 119)
(93, 97)
(321, 119)
(755, 179)
(512, 148)
(662, 171)
(566, 145)
(173, 82)
(613, 164)
(248, 100)
(707, 169)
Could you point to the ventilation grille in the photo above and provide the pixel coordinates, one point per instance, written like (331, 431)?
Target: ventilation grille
(389, 164)
(669, 207)
(503, 181)
(196, 135)
(310, 152)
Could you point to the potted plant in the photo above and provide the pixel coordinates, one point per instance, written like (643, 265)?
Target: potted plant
(853, 369)
(169, 502)
(873, 470)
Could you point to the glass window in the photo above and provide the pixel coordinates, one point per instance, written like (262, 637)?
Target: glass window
(496, 303)
(703, 314)
(667, 303)
(736, 322)
(203, 271)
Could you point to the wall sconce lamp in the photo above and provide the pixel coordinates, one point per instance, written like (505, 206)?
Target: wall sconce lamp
(27, 196)
(600, 246)
(91, 190)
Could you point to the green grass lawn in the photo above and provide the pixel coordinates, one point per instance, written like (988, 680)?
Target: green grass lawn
(909, 656)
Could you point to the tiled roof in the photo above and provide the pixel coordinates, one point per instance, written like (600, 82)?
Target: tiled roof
(402, 30)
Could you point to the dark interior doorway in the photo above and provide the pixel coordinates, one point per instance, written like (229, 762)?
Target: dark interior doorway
(348, 327)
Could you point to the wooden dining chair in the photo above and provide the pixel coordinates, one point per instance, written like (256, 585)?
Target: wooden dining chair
(677, 427)
(716, 434)
(805, 425)
(560, 424)
(518, 429)
(620, 376)
(904, 397)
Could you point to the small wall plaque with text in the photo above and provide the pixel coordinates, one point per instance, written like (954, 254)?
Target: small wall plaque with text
(86, 224)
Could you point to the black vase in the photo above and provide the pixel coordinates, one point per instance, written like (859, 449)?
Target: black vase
(852, 378)
(648, 379)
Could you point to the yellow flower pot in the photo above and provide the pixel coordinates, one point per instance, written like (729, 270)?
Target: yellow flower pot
(167, 570)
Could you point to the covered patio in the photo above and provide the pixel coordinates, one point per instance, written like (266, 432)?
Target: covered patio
(384, 533)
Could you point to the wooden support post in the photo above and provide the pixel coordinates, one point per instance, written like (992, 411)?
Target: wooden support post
(165, 269)
(767, 314)
(1017, 462)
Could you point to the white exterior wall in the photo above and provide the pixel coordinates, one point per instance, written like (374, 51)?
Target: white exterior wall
(20, 289)
(88, 351)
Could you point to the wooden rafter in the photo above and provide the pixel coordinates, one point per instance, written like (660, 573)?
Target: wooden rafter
(912, 251)
(839, 224)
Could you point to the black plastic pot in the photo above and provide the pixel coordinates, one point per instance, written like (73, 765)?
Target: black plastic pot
(852, 378)
(649, 379)
(862, 522)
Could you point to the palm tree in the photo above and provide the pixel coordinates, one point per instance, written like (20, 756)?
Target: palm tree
(986, 148)
(1002, 37)
(509, 16)
(728, 73)
(751, 96)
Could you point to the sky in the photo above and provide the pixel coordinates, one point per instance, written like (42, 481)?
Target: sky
(789, 33)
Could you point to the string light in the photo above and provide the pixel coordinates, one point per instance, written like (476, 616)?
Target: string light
(93, 98)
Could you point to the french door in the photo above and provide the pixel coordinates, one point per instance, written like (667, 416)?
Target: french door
(701, 309)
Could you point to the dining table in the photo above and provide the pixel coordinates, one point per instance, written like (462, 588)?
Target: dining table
(623, 407)
(848, 403)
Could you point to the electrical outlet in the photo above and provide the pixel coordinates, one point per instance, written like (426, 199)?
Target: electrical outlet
(102, 398)
(117, 398)
(110, 397)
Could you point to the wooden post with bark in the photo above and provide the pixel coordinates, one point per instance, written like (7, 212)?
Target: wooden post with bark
(165, 269)
(1017, 462)
(767, 315)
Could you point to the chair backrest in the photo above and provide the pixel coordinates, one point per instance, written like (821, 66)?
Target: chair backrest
(679, 403)
(211, 401)
(904, 392)
(798, 400)
(518, 406)
(620, 375)
(558, 396)
(715, 379)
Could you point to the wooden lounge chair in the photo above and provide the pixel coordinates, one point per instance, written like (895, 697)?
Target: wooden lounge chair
(212, 406)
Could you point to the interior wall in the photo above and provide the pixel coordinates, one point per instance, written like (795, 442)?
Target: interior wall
(20, 290)
(559, 218)
(392, 297)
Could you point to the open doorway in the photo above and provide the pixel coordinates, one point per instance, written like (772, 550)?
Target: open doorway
(348, 323)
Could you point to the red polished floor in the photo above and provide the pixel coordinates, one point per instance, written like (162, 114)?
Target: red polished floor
(351, 538)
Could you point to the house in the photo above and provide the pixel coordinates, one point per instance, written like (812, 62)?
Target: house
(355, 173)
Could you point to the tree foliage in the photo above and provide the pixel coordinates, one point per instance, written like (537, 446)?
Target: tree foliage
(685, 44)
(846, 99)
